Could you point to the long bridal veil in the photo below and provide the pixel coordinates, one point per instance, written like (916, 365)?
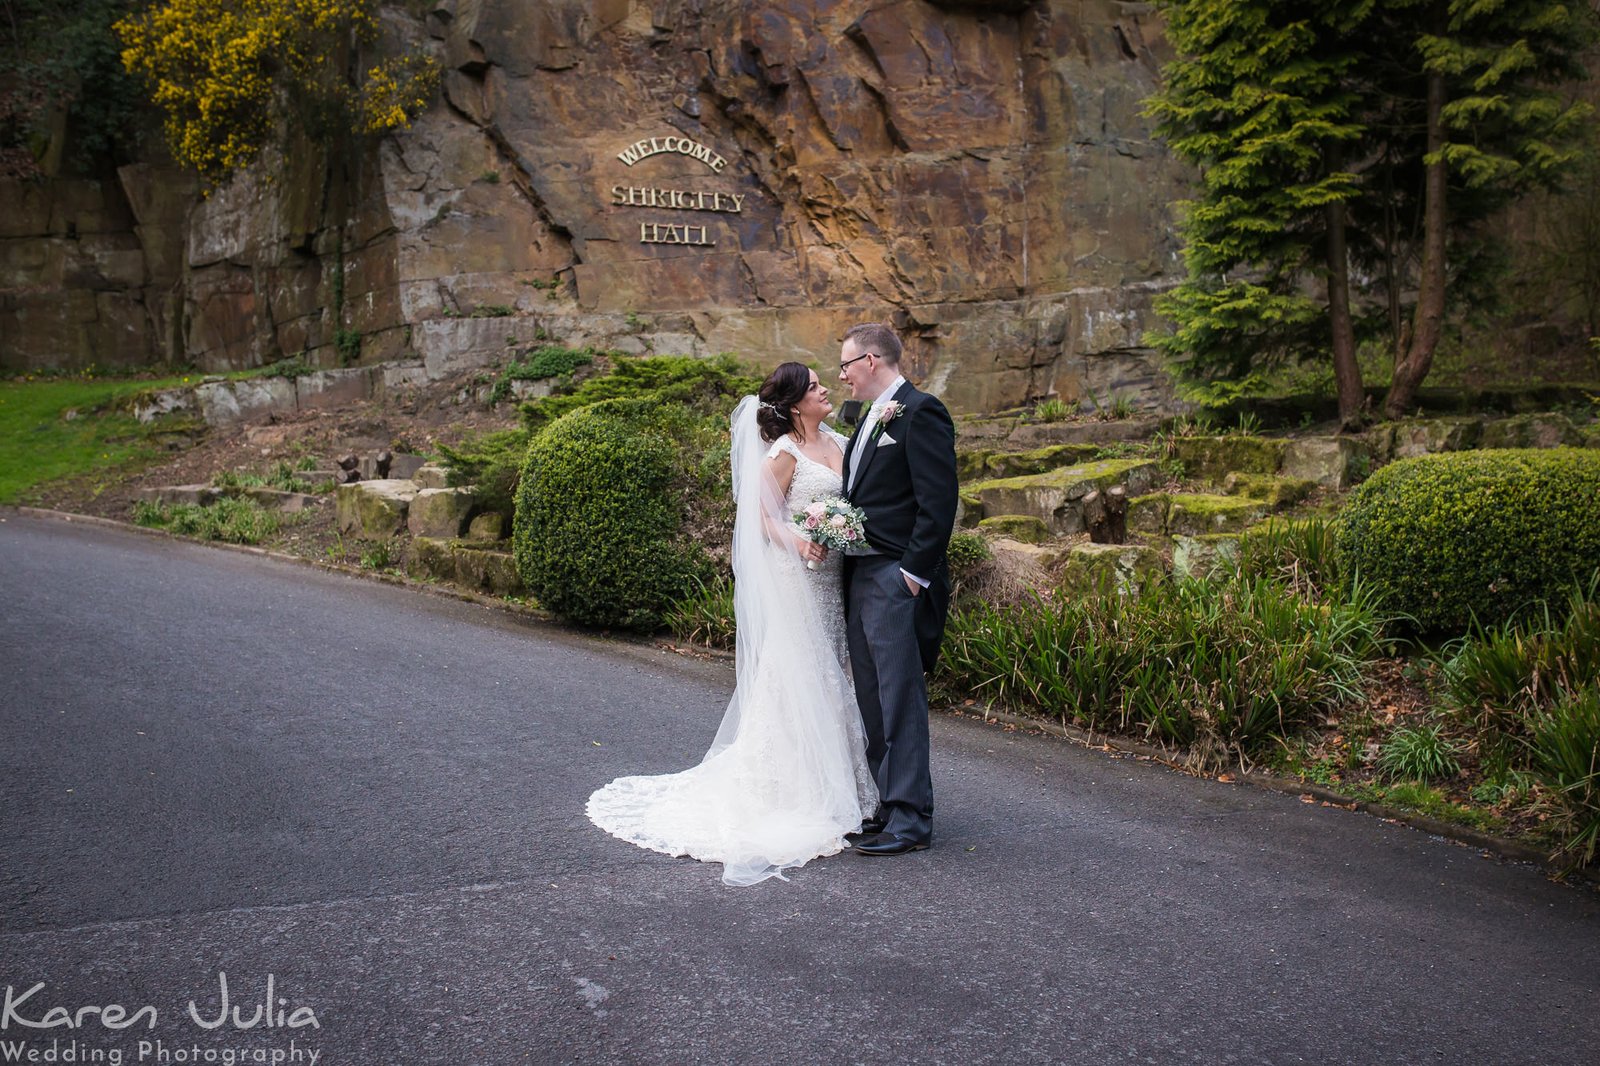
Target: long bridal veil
(768, 607)
(784, 778)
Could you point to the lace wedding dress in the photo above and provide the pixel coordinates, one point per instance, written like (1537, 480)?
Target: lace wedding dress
(786, 776)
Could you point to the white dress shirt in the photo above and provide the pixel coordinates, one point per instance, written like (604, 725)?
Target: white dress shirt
(862, 443)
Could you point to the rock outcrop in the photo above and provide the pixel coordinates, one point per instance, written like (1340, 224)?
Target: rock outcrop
(690, 176)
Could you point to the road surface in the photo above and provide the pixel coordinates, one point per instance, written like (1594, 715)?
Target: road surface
(214, 763)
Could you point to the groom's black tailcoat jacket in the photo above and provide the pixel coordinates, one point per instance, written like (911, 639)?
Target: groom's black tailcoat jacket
(908, 490)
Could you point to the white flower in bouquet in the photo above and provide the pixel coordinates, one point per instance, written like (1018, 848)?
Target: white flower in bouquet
(832, 522)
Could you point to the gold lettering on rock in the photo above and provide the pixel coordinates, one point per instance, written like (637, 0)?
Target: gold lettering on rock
(677, 199)
(674, 233)
(681, 145)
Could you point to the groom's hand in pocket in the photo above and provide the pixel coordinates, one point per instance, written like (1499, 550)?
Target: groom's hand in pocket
(916, 589)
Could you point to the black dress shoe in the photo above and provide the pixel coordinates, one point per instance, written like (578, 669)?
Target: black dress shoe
(870, 827)
(889, 844)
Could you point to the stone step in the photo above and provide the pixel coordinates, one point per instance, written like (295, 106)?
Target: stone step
(487, 527)
(465, 563)
(1193, 513)
(1091, 431)
(375, 509)
(1056, 496)
(1205, 555)
(1022, 527)
(206, 494)
(171, 495)
(991, 463)
(1126, 569)
(1214, 458)
(1030, 563)
(431, 475)
(1271, 489)
(278, 499)
(1332, 462)
(1549, 430)
(440, 513)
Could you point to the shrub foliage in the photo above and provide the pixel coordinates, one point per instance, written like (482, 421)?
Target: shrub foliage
(701, 385)
(1446, 539)
(597, 531)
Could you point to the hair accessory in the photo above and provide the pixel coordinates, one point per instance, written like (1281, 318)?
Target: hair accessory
(768, 406)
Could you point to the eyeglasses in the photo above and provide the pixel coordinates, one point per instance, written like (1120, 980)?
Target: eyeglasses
(846, 364)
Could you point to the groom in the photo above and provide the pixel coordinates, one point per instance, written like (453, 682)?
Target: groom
(900, 468)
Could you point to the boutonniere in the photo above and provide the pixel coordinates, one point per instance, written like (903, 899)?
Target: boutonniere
(891, 411)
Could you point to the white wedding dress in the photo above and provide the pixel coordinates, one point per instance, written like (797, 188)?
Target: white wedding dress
(786, 776)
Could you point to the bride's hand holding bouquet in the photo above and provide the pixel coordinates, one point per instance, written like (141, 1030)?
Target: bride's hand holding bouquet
(832, 522)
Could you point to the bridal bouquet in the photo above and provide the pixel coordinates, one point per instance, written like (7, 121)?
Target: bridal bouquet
(832, 522)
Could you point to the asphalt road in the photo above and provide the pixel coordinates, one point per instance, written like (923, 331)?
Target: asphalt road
(216, 763)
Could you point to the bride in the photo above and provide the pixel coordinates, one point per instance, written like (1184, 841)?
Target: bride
(786, 776)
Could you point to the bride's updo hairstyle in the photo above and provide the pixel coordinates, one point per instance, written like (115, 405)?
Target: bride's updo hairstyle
(784, 388)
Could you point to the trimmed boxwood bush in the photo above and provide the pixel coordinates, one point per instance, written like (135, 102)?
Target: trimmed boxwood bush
(598, 517)
(1446, 538)
(695, 395)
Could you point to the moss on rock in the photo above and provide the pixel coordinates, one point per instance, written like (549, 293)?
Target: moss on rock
(1026, 528)
(1276, 492)
(375, 509)
(1055, 497)
(1128, 569)
(1148, 514)
(1549, 430)
(1193, 513)
(1197, 513)
(471, 565)
(1336, 462)
(1205, 555)
(1213, 458)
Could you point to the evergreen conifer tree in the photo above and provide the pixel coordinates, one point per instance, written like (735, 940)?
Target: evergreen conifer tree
(1356, 138)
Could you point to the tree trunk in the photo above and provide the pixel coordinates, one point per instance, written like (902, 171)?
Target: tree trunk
(1346, 371)
(1105, 514)
(1414, 360)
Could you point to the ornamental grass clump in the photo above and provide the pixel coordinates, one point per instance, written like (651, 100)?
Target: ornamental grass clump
(705, 615)
(232, 519)
(1565, 756)
(1304, 553)
(1497, 679)
(1219, 667)
(1419, 753)
(1530, 691)
(1453, 539)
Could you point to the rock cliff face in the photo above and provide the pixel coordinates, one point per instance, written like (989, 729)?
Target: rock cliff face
(91, 271)
(713, 175)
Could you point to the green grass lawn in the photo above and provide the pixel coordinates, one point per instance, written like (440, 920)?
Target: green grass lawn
(38, 445)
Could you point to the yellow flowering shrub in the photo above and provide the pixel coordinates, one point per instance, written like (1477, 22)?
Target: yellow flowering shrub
(230, 73)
